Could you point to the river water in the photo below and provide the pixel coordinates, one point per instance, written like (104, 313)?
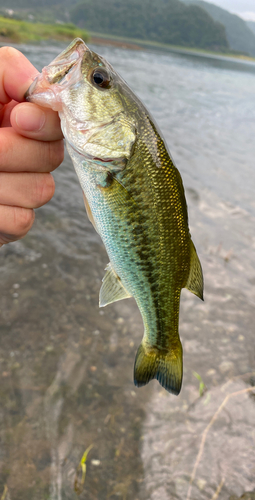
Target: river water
(66, 367)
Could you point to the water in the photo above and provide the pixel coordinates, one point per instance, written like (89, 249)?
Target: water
(66, 366)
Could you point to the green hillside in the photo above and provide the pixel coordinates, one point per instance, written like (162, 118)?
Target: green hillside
(166, 21)
(239, 36)
(34, 4)
(40, 10)
(251, 25)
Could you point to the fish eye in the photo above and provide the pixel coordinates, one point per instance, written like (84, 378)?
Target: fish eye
(101, 78)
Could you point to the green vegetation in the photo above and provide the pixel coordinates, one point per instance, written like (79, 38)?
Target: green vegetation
(82, 468)
(191, 24)
(202, 386)
(34, 4)
(251, 25)
(239, 36)
(169, 22)
(21, 31)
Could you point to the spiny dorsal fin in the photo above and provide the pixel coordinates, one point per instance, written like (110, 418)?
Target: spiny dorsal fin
(195, 281)
(112, 288)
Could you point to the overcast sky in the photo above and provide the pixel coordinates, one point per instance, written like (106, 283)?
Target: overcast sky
(244, 8)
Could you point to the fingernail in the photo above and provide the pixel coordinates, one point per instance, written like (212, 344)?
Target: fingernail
(30, 119)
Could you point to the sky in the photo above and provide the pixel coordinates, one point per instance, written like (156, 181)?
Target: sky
(244, 8)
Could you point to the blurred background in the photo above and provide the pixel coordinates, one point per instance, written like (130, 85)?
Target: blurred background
(226, 26)
(66, 367)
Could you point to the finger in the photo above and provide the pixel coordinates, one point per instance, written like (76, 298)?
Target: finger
(5, 114)
(16, 75)
(19, 154)
(15, 222)
(36, 122)
(27, 190)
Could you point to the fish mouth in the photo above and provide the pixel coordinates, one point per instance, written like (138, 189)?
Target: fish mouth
(63, 71)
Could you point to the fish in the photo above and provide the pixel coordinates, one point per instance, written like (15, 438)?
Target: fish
(134, 197)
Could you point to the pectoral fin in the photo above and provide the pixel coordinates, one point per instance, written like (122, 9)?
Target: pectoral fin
(88, 210)
(195, 281)
(112, 288)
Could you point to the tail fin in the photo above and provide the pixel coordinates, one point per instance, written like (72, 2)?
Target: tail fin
(165, 366)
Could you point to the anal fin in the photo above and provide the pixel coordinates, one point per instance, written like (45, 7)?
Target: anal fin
(112, 288)
(195, 282)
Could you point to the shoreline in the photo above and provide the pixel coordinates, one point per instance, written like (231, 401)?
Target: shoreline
(67, 32)
(97, 40)
(135, 44)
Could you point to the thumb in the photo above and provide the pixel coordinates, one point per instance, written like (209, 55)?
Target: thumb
(16, 75)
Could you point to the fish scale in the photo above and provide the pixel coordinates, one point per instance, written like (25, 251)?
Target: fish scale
(134, 197)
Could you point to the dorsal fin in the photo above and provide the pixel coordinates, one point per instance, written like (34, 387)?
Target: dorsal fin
(195, 282)
(112, 288)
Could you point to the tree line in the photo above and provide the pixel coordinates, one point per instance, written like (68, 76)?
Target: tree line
(165, 21)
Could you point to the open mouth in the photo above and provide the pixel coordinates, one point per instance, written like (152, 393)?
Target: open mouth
(60, 73)
(60, 67)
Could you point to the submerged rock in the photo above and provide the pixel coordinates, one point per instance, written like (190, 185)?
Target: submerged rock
(211, 441)
(245, 496)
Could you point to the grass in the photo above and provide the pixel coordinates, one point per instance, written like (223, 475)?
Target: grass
(202, 386)
(16, 31)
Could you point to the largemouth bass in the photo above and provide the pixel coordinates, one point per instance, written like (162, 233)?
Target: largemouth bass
(134, 197)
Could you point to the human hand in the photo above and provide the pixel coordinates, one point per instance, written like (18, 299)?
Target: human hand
(31, 146)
